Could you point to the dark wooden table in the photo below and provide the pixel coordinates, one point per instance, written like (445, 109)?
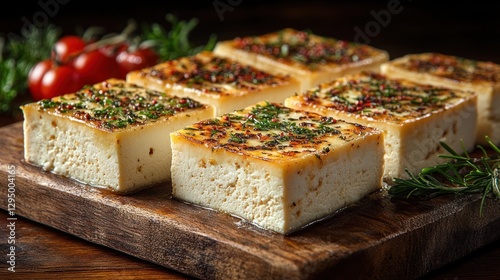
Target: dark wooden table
(465, 28)
(46, 253)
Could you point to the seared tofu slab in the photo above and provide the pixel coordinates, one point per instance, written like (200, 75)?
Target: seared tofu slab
(310, 58)
(414, 117)
(481, 77)
(221, 82)
(277, 168)
(112, 135)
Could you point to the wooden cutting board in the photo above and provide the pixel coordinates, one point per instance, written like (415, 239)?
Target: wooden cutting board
(377, 238)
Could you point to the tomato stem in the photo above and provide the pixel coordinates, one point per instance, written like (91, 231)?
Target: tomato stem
(113, 40)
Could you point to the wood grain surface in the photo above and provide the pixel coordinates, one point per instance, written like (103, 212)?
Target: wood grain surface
(415, 237)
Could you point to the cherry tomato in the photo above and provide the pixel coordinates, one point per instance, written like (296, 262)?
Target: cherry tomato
(67, 48)
(60, 80)
(35, 76)
(130, 60)
(96, 66)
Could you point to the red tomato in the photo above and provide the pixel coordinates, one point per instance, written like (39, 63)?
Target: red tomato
(35, 75)
(60, 80)
(135, 60)
(67, 48)
(96, 66)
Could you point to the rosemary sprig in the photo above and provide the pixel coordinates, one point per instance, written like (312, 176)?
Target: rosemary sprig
(461, 174)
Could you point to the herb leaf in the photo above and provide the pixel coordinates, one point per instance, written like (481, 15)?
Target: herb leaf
(174, 43)
(460, 175)
(18, 53)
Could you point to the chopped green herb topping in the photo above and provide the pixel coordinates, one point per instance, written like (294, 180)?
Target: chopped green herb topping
(118, 105)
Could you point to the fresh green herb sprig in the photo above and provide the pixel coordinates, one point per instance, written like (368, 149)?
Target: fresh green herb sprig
(174, 43)
(462, 174)
(18, 53)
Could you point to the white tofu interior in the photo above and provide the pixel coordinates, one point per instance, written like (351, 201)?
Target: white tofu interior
(111, 135)
(123, 161)
(280, 197)
(412, 140)
(488, 103)
(284, 188)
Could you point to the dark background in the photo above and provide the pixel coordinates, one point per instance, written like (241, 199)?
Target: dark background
(463, 28)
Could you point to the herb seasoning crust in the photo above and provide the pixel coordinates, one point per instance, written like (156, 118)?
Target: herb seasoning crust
(115, 104)
(223, 82)
(308, 57)
(452, 67)
(414, 117)
(271, 131)
(112, 135)
(374, 97)
(456, 73)
(276, 167)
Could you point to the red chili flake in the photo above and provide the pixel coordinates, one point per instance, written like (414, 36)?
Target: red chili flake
(154, 101)
(182, 101)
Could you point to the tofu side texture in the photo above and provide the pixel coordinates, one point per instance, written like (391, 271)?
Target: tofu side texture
(224, 83)
(277, 168)
(111, 135)
(310, 58)
(415, 118)
(457, 73)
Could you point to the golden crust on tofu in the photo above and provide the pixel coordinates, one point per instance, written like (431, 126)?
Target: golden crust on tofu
(452, 68)
(111, 135)
(222, 82)
(374, 97)
(272, 132)
(414, 117)
(481, 77)
(309, 57)
(116, 105)
(278, 168)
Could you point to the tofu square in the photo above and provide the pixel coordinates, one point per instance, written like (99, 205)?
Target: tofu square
(415, 118)
(310, 58)
(278, 168)
(482, 77)
(221, 82)
(111, 135)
